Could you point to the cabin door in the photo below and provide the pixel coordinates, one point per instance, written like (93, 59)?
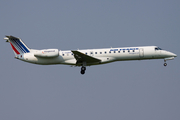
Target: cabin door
(141, 52)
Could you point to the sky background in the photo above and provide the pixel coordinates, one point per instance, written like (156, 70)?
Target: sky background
(127, 90)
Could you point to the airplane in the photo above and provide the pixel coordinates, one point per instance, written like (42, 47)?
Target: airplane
(87, 57)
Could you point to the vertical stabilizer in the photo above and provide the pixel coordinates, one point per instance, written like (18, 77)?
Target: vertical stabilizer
(17, 45)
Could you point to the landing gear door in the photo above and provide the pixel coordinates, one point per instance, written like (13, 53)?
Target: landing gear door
(141, 52)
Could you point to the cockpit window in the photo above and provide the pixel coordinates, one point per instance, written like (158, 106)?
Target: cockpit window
(158, 48)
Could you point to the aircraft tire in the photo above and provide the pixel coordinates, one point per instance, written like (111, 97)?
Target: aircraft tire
(82, 72)
(165, 64)
(83, 68)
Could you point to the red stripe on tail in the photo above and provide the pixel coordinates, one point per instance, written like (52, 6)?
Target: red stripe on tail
(15, 50)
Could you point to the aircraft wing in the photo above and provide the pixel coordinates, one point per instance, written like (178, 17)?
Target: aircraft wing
(81, 57)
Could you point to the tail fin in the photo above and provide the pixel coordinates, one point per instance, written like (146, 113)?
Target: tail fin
(17, 45)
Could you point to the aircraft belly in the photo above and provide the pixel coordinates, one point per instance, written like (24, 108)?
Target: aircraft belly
(128, 57)
(70, 62)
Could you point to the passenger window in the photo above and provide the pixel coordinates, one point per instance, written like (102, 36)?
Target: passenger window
(114, 51)
(95, 52)
(118, 51)
(123, 51)
(128, 50)
(100, 52)
(105, 52)
(86, 53)
(133, 50)
(109, 51)
(63, 54)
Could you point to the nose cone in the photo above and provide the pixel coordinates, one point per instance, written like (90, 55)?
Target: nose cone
(172, 54)
(168, 54)
(175, 55)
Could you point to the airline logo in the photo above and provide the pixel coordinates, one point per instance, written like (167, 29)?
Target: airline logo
(18, 46)
(124, 49)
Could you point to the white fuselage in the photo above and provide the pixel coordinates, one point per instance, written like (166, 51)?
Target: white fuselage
(105, 55)
(86, 57)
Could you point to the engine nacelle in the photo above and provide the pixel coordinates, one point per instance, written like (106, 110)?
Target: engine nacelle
(47, 53)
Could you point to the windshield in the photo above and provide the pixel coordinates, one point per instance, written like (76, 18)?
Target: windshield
(158, 48)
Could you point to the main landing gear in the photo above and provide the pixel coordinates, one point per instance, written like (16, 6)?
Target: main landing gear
(83, 69)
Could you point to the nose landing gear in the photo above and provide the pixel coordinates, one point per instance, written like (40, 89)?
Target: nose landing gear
(171, 58)
(165, 64)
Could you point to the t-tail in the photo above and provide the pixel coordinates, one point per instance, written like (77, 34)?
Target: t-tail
(17, 45)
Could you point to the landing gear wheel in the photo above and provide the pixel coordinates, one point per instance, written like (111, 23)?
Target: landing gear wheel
(165, 64)
(82, 72)
(83, 68)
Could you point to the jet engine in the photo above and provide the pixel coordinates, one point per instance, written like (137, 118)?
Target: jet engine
(47, 53)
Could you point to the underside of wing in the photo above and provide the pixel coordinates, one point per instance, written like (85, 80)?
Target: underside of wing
(81, 57)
